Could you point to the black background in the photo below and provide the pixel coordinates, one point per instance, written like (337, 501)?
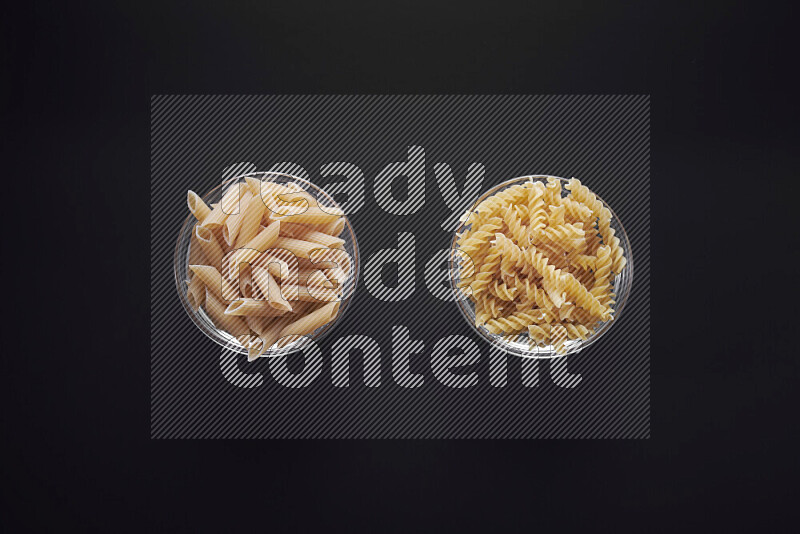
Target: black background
(76, 388)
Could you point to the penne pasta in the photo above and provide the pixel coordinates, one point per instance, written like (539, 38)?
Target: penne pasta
(310, 322)
(329, 258)
(231, 200)
(196, 205)
(251, 220)
(209, 245)
(313, 216)
(307, 233)
(246, 285)
(265, 238)
(253, 249)
(216, 218)
(298, 247)
(253, 185)
(196, 256)
(234, 223)
(255, 347)
(292, 292)
(281, 200)
(271, 334)
(214, 282)
(216, 311)
(281, 264)
(298, 195)
(333, 228)
(257, 324)
(319, 277)
(254, 308)
(196, 292)
(270, 289)
(245, 254)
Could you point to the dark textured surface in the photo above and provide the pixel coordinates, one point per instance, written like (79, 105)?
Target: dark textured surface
(76, 367)
(603, 140)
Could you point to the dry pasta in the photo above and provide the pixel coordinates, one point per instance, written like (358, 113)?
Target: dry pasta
(538, 259)
(233, 223)
(196, 292)
(245, 267)
(199, 209)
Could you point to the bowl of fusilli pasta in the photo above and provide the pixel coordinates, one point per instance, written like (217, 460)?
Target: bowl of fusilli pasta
(541, 266)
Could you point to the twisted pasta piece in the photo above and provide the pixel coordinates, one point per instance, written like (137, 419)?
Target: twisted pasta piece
(576, 211)
(583, 261)
(465, 267)
(475, 244)
(602, 287)
(516, 229)
(514, 257)
(550, 274)
(585, 317)
(552, 191)
(591, 236)
(487, 307)
(558, 337)
(583, 298)
(564, 234)
(556, 217)
(522, 211)
(488, 270)
(514, 323)
(545, 316)
(586, 278)
(556, 254)
(565, 311)
(537, 217)
(538, 334)
(555, 290)
(502, 290)
(498, 201)
(576, 331)
(531, 295)
(573, 287)
(584, 195)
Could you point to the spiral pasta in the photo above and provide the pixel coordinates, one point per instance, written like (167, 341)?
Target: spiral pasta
(537, 216)
(602, 285)
(543, 262)
(603, 214)
(487, 272)
(502, 290)
(516, 229)
(514, 323)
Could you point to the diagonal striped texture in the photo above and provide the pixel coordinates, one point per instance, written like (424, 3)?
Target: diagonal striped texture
(382, 372)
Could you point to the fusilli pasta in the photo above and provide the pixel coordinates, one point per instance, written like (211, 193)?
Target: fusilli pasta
(543, 262)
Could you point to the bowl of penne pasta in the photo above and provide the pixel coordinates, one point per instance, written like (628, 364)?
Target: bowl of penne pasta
(265, 263)
(541, 267)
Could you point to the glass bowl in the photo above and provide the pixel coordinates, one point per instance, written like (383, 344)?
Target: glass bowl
(199, 316)
(518, 345)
